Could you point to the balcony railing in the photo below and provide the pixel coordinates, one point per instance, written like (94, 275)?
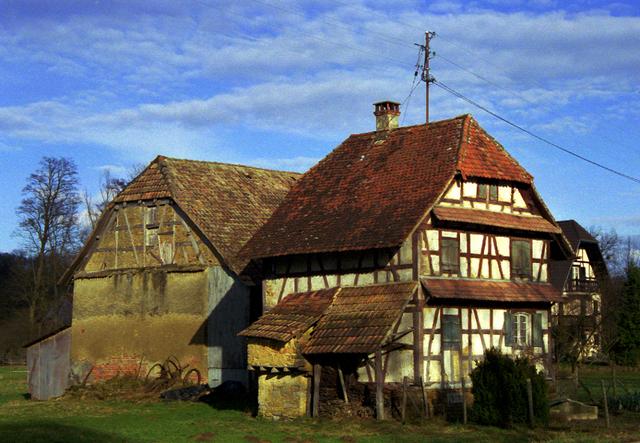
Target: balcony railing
(582, 285)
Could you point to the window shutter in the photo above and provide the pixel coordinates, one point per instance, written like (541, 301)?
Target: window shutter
(537, 330)
(451, 332)
(508, 328)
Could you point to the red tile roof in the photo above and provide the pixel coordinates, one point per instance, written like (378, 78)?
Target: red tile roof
(492, 218)
(360, 319)
(485, 290)
(227, 202)
(374, 188)
(294, 315)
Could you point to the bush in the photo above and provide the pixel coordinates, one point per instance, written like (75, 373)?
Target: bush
(500, 391)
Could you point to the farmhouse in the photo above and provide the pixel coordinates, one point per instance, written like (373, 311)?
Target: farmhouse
(160, 276)
(581, 281)
(406, 252)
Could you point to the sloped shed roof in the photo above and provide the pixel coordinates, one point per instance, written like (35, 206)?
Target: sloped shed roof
(294, 315)
(483, 290)
(491, 218)
(374, 188)
(360, 319)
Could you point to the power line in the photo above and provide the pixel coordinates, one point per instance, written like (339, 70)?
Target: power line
(532, 134)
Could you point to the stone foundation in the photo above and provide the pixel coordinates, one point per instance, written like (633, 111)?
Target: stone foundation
(282, 395)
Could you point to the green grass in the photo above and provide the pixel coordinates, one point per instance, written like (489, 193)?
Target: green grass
(73, 420)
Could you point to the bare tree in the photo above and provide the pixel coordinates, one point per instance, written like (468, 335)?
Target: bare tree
(108, 189)
(48, 225)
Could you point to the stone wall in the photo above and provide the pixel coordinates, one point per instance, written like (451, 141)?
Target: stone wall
(283, 396)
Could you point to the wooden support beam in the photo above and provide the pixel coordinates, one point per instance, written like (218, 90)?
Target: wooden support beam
(425, 403)
(403, 410)
(343, 387)
(379, 386)
(317, 372)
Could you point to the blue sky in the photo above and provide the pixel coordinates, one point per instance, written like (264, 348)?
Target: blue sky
(278, 84)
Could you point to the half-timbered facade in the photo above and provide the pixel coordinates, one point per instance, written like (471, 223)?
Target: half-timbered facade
(436, 246)
(160, 276)
(577, 318)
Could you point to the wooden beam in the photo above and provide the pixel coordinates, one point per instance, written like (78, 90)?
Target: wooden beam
(133, 245)
(379, 386)
(317, 373)
(343, 386)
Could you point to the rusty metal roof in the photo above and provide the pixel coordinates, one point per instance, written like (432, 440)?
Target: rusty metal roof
(373, 189)
(486, 290)
(294, 315)
(360, 319)
(498, 219)
(227, 202)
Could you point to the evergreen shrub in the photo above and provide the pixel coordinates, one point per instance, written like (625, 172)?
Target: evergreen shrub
(500, 391)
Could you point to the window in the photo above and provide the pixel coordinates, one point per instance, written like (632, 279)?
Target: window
(151, 225)
(450, 255)
(523, 329)
(151, 216)
(520, 329)
(520, 259)
(451, 332)
(493, 193)
(482, 191)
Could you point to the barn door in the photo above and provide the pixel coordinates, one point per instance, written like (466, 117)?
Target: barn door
(451, 348)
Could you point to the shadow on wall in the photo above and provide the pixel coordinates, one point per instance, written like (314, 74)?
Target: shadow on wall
(51, 432)
(229, 304)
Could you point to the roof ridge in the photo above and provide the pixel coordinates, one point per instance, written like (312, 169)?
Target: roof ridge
(462, 145)
(401, 128)
(210, 162)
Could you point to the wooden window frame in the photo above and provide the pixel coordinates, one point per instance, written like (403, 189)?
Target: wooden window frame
(520, 339)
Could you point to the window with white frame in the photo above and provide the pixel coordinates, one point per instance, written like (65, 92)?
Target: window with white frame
(521, 329)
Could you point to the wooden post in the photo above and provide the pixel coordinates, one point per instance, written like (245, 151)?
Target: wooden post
(403, 411)
(345, 396)
(530, 401)
(614, 380)
(317, 372)
(379, 386)
(425, 403)
(464, 402)
(605, 404)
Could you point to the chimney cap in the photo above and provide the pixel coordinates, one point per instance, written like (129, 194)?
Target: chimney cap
(382, 102)
(387, 107)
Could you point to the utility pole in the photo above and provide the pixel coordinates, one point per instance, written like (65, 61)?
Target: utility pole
(426, 75)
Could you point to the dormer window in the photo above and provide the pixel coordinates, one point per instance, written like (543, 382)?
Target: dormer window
(488, 192)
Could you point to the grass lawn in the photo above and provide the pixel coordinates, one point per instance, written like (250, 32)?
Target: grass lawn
(72, 420)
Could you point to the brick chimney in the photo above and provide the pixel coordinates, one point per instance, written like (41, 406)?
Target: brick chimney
(387, 113)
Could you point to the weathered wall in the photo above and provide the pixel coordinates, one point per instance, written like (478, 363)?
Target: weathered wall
(308, 273)
(146, 235)
(144, 315)
(282, 395)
